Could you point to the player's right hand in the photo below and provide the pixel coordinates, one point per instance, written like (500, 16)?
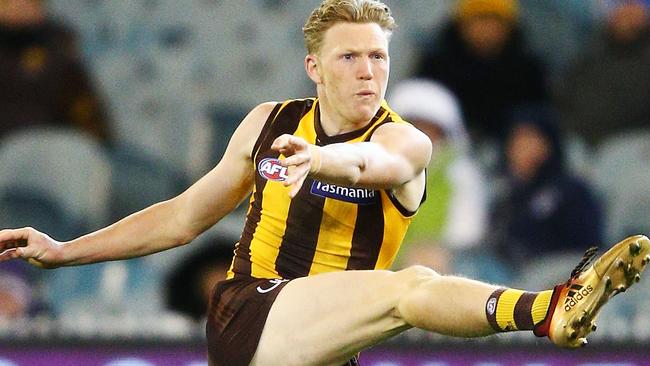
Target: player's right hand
(298, 158)
(30, 245)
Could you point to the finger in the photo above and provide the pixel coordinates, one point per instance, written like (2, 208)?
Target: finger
(286, 152)
(295, 173)
(282, 142)
(11, 238)
(289, 144)
(29, 254)
(14, 234)
(295, 160)
(9, 254)
(8, 244)
(13, 253)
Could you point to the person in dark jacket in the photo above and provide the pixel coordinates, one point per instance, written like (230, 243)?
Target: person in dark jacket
(542, 207)
(43, 80)
(606, 91)
(481, 56)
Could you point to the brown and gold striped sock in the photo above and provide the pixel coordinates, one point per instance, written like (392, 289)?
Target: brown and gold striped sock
(510, 309)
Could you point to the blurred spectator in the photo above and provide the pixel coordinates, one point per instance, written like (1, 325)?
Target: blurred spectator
(189, 286)
(15, 294)
(608, 88)
(543, 208)
(42, 78)
(480, 55)
(454, 215)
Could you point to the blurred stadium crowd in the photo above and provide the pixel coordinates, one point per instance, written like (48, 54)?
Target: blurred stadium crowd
(539, 111)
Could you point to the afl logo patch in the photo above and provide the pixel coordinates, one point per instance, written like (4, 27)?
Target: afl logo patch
(491, 306)
(270, 169)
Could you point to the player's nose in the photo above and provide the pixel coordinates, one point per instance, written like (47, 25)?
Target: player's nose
(364, 69)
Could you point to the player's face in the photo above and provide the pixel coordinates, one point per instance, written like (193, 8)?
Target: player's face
(353, 68)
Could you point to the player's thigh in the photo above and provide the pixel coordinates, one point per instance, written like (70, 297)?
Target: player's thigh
(325, 319)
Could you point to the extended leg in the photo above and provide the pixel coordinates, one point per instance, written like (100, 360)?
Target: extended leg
(325, 319)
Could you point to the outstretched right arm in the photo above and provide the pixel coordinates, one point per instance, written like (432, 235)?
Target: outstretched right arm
(161, 226)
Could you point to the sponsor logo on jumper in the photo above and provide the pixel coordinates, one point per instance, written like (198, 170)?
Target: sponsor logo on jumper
(271, 169)
(576, 294)
(492, 305)
(354, 195)
(274, 284)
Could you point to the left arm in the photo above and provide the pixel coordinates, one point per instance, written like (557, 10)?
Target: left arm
(395, 155)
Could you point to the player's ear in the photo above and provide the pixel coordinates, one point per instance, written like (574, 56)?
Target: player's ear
(311, 66)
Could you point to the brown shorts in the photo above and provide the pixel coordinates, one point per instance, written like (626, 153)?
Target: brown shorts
(236, 315)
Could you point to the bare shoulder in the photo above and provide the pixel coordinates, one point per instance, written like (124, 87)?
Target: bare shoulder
(245, 135)
(256, 118)
(401, 132)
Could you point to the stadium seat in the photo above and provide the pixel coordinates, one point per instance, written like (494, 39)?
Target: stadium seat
(629, 210)
(66, 166)
(225, 119)
(622, 177)
(20, 207)
(139, 180)
(621, 154)
(167, 125)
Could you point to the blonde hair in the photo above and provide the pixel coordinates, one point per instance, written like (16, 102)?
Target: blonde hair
(331, 12)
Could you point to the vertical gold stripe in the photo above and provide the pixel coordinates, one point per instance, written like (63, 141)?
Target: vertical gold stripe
(306, 128)
(395, 226)
(335, 237)
(265, 245)
(506, 309)
(540, 306)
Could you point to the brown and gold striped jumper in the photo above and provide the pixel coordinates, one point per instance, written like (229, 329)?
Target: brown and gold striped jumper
(326, 227)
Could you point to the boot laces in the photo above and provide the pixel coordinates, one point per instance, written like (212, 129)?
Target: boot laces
(586, 259)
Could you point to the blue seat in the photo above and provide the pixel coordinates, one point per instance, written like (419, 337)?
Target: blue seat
(20, 207)
(225, 118)
(621, 175)
(64, 165)
(140, 180)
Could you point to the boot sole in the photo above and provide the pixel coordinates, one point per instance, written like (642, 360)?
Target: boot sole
(611, 274)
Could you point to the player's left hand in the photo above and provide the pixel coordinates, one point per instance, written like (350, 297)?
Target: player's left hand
(298, 160)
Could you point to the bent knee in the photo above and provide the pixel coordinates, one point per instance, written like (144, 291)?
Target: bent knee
(416, 295)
